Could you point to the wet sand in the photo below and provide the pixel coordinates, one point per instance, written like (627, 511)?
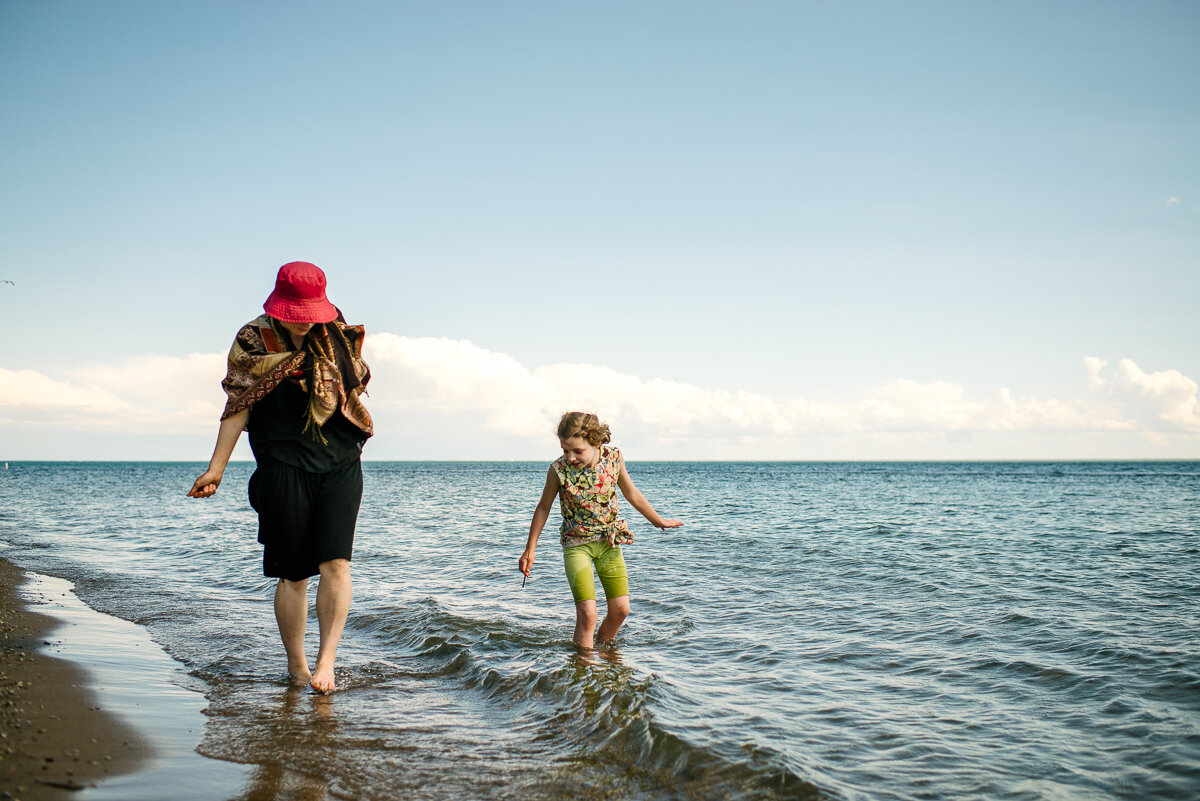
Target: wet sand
(55, 735)
(91, 708)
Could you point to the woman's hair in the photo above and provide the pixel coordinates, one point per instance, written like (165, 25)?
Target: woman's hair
(582, 424)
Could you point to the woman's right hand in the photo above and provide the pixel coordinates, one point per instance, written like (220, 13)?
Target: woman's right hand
(525, 565)
(206, 485)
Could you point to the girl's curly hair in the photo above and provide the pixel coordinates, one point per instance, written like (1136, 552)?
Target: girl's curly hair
(583, 424)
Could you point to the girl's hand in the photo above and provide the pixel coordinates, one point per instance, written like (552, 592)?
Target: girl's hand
(206, 485)
(670, 524)
(525, 565)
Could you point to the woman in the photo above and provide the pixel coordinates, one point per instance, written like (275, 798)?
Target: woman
(294, 380)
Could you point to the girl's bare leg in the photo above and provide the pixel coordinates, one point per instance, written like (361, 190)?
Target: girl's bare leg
(291, 614)
(585, 624)
(618, 610)
(333, 605)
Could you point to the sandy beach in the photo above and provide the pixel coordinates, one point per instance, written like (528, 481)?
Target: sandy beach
(55, 734)
(91, 708)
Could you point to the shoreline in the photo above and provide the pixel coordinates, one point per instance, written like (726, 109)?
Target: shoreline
(91, 708)
(55, 736)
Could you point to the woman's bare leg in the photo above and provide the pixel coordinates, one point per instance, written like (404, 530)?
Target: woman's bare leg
(291, 614)
(333, 605)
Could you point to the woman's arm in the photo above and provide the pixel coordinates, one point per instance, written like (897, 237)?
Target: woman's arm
(638, 501)
(227, 436)
(540, 515)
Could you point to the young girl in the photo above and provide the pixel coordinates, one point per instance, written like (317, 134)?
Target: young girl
(586, 479)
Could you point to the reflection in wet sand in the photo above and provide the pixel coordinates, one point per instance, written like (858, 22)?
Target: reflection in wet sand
(273, 781)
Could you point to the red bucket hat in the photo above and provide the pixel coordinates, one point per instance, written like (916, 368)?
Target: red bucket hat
(299, 295)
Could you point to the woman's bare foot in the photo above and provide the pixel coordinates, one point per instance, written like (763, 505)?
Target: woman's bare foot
(322, 681)
(299, 674)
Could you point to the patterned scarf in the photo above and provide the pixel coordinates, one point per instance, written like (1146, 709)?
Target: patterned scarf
(329, 366)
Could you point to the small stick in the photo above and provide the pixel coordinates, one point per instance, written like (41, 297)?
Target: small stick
(523, 581)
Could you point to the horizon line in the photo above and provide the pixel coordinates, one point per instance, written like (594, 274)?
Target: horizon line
(1018, 460)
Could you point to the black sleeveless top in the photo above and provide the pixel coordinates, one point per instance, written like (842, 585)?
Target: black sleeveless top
(277, 432)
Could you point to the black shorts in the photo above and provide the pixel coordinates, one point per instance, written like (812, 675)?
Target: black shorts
(304, 518)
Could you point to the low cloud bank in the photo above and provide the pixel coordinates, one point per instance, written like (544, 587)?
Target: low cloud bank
(492, 393)
(458, 376)
(1163, 401)
(145, 394)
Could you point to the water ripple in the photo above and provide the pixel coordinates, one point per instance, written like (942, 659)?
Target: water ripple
(848, 631)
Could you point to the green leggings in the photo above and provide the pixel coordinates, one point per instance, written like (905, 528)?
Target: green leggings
(578, 561)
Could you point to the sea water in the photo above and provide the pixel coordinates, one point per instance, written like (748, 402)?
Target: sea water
(842, 631)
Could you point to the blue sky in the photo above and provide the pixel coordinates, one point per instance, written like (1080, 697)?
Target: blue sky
(735, 230)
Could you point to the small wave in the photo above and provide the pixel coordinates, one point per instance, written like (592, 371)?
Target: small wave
(1019, 619)
(1057, 678)
(606, 715)
(596, 708)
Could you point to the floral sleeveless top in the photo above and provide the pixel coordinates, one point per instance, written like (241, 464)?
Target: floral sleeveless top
(587, 498)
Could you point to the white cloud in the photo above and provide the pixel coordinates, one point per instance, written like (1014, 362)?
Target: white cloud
(1172, 201)
(30, 389)
(426, 386)
(1161, 401)
(444, 374)
(1094, 367)
(145, 394)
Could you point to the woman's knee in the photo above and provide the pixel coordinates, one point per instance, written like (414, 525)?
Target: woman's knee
(294, 587)
(335, 569)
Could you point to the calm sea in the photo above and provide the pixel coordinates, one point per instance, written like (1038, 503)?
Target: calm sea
(842, 631)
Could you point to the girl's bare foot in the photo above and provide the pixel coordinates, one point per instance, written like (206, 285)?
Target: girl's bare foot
(322, 681)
